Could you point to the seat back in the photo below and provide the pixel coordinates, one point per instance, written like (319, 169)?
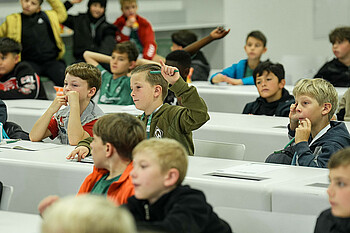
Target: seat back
(6, 195)
(221, 150)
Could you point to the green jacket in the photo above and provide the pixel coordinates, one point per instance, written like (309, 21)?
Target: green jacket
(176, 122)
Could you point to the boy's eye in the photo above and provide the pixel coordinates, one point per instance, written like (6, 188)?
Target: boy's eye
(340, 184)
(66, 84)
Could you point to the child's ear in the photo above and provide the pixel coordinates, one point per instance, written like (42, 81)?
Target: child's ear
(186, 72)
(282, 83)
(132, 65)
(109, 150)
(16, 58)
(171, 177)
(327, 107)
(92, 91)
(265, 49)
(157, 91)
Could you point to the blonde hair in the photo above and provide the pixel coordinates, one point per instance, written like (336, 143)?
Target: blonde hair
(319, 89)
(122, 2)
(169, 152)
(87, 214)
(340, 158)
(153, 79)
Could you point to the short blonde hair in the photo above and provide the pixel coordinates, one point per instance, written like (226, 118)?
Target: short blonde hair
(87, 214)
(319, 89)
(122, 2)
(153, 79)
(340, 158)
(169, 152)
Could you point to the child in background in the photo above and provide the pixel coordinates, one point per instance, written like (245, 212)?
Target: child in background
(91, 30)
(115, 136)
(115, 88)
(132, 26)
(316, 136)
(241, 73)
(274, 99)
(75, 122)
(39, 33)
(160, 201)
(337, 70)
(343, 113)
(17, 79)
(337, 218)
(87, 214)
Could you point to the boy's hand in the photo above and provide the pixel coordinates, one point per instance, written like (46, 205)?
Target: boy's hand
(81, 151)
(72, 98)
(130, 21)
(46, 203)
(169, 73)
(75, 1)
(302, 133)
(233, 81)
(57, 103)
(293, 118)
(219, 33)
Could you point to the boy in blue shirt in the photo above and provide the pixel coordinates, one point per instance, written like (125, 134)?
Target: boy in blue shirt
(241, 73)
(115, 88)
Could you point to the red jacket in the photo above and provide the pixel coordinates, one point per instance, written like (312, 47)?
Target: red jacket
(145, 33)
(118, 192)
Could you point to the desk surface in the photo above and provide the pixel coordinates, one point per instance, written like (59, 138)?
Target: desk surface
(13, 222)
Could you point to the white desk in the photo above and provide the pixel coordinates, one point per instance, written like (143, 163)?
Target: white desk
(242, 193)
(12, 222)
(37, 174)
(232, 99)
(305, 196)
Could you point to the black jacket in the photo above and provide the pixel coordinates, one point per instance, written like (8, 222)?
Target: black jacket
(201, 67)
(101, 40)
(327, 223)
(183, 210)
(282, 106)
(336, 73)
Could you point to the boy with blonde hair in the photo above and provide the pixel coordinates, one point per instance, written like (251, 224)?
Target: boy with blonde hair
(337, 218)
(316, 136)
(160, 201)
(87, 214)
(74, 122)
(115, 88)
(241, 73)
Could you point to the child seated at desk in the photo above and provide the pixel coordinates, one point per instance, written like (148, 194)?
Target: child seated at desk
(74, 122)
(241, 73)
(316, 137)
(86, 214)
(343, 113)
(115, 136)
(163, 120)
(274, 99)
(337, 218)
(160, 202)
(115, 87)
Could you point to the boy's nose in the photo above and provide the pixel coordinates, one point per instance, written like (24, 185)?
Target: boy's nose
(330, 190)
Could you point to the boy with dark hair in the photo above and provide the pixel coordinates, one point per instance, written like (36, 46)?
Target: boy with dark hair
(17, 79)
(274, 99)
(337, 70)
(337, 218)
(316, 137)
(91, 30)
(241, 73)
(74, 122)
(115, 88)
(39, 33)
(160, 201)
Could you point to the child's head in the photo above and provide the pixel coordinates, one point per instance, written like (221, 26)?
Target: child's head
(255, 45)
(123, 58)
(87, 214)
(146, 87)
(159, 166)
(339, 187)
(181, 39)
(121, 131)
(269, 80)
(97, 8)
(315, 98)
(31, 7)
(340, 39)
(83, 78)
(181, 60)
(9, 54)
(128, 7)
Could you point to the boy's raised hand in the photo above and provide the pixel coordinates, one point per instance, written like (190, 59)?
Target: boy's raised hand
(302, 133)
(72, 98)
(293, 118)
(57, 103)
(169, 73)
(75, 1)
(219, 33)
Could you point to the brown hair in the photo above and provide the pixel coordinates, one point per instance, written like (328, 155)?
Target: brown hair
(122, 130)
(340, 158)
(129, 48)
